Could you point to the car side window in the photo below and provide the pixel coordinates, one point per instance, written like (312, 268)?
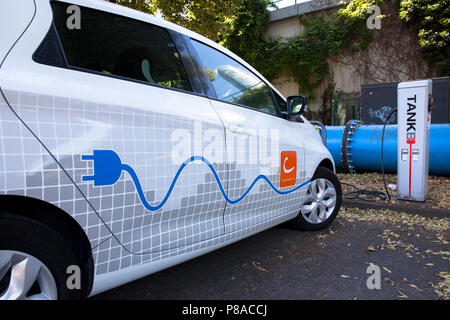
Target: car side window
(120, 46)
(234, 82)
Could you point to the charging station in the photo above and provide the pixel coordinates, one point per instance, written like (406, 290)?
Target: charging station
(414, 100)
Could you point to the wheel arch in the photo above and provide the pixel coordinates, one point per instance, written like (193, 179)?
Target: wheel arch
(60, 221)
(327, 163)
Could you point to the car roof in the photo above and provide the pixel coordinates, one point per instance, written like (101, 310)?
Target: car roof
(138, 15)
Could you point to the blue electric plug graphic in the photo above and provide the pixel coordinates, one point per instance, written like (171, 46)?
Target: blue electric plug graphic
(107, 171)
(108, 168)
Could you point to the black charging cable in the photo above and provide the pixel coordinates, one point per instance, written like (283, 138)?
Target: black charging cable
(358, 192)
(379, 195)
(382, 145)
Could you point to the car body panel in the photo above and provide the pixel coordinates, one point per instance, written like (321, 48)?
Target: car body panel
(53, 117)
(16, 18)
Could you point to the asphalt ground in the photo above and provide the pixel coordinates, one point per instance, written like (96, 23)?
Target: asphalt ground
(411, 251)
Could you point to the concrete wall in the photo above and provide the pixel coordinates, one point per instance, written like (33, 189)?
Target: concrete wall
(286, 28)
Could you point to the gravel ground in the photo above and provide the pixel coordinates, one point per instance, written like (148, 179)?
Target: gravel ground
(438, 188)
(404, 234)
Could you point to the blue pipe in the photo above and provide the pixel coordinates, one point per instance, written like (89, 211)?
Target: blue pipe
(366, 148)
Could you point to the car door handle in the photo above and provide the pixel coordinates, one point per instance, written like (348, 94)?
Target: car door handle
(239, 130)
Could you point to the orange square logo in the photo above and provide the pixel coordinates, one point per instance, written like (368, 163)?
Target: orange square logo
(288, 169)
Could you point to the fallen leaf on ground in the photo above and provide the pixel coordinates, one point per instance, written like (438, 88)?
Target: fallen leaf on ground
(415, 287)
(390, 281)
(255, 264)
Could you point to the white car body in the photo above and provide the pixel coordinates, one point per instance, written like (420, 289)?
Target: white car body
(50, 117)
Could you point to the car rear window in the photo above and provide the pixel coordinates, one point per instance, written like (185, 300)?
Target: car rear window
(119, 46)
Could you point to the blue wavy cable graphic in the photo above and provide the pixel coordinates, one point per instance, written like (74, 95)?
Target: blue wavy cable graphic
(108, 169)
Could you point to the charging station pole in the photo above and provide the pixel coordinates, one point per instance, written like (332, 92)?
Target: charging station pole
(414, 119)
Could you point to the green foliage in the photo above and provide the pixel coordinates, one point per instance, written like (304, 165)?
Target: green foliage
(246, 36)
(358, 8)
(431, 20)
(146, 6)
(211, 18)
(307, 54)
(304, 57)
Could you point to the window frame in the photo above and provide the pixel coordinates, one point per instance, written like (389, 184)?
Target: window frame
(284, 116)
(208, 80)
(185, 58)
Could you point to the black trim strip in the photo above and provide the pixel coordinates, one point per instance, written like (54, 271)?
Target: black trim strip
(204, 78)
(187, 63)
(275, 102)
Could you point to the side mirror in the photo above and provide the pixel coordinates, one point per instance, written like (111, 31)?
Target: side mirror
(297, 105)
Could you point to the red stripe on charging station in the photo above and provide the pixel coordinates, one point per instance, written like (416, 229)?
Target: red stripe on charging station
(410, 156)
(410, 142)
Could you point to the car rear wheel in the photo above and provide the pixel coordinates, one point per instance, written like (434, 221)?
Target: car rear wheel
(34, 260)
(322, 201)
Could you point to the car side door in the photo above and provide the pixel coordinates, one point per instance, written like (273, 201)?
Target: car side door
(265, 152)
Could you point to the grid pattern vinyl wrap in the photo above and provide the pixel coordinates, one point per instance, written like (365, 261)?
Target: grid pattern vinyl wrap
(122, 232)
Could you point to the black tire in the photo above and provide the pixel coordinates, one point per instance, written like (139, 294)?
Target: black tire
(22, 234)
(300, 223)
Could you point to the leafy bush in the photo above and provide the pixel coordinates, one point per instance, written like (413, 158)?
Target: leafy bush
(303, 57)
(431, 20)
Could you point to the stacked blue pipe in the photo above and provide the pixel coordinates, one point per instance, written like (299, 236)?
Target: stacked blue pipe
(366, 148)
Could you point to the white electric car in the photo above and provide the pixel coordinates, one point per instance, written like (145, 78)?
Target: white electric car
(129, 144)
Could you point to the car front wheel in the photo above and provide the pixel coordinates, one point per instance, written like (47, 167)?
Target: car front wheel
(322, 201)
